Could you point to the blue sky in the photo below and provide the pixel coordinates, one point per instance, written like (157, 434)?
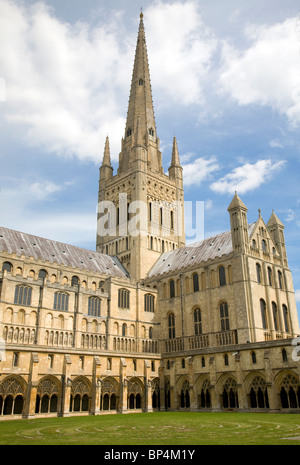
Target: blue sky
(225, 80)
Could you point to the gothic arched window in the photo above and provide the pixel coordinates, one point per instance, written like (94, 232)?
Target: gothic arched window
(172, 288)
(196, 282)
(285, 318)
(280, 281)
(171, 325)
(23, 295)
(197, 321)
(61, 301)
(275, 316)
(123, 298)
(224, 316)
(258, 273)
(94, 307)
(270, 276)
(222, 276)
(149, 303)
(263, 310)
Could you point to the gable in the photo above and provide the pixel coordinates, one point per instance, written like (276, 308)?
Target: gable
(259, 233)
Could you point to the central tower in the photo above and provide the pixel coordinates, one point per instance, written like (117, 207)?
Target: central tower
(141, 209)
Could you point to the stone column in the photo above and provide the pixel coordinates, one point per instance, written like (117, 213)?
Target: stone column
(96, 386)
(173, 393)
(66, 387)
(123, 386)
(148, 387)
(29, 411)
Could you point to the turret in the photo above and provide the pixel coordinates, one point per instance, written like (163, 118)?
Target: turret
(276, 229)
(239, 224)
(175, 170)
(106, 170)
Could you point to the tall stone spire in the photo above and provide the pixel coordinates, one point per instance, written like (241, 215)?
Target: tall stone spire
(140, 127)
(140, 101)
(148, 192)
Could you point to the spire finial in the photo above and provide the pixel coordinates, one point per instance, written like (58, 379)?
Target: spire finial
(106, 156)
(175, 153)
(141, 15)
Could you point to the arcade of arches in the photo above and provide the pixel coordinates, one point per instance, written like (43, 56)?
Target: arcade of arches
(226, 394)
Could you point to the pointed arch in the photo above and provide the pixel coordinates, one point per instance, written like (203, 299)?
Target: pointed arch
(13, 391)
(48, 395)
(80, 397)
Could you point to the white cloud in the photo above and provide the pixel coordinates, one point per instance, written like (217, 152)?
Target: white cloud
(268, 72)
(64, 83)
(199, 170)
(275, 144)
(61, 80)
(26, 201)
(208, 204)
(247, 177)
(290, 215)
(183, 47)
(43, 190)
(297, 295)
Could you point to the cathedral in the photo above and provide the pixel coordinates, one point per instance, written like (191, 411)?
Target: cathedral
(145, 322)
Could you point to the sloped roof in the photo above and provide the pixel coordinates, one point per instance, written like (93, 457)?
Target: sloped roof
(194, 254)
(237, 202)
(15, 242)
(274, 220)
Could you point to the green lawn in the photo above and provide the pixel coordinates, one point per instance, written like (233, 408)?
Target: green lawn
(164, 428)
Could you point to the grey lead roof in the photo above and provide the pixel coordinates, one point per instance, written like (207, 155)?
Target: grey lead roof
(15, 242)
(194, 254)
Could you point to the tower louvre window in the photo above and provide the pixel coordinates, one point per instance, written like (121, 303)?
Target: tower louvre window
(141, 82)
